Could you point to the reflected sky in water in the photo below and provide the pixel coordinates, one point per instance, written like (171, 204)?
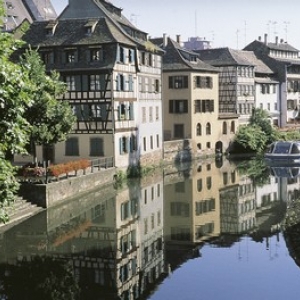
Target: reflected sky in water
(246, 270)
(207, 230)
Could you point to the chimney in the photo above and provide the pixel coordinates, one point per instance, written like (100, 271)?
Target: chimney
(259, 38)
(165, 40)
(276, 40)
(281, 41)
(178, 38)
(266, 38)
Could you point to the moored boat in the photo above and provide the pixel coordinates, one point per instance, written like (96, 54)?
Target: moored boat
(283, 152)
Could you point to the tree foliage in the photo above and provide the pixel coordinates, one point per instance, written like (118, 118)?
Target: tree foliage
(255, 136)
(29, 111)
(42, 278)
(50, 119)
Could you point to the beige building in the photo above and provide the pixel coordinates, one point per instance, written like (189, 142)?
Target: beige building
(191, 101)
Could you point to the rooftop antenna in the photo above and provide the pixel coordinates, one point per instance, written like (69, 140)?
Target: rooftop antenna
(195, 23)
(133, 19)
(237, 39)
(245, 33)
(286, 30)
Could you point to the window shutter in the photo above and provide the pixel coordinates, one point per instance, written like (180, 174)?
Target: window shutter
(185, 106)
(170, 82)
(171, 109)
(120, 146)
(186, 84)
(118, 53)
(131, 111)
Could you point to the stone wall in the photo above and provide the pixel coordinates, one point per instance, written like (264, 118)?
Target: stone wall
(182, 150)
(54, 193)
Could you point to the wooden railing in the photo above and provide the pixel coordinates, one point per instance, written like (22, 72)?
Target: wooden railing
(104, 163)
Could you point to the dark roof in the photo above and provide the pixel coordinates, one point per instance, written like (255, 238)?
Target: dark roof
(73, 32)
(260, 66)
(111, 27)
(223, 57)
(176, 58)
(281, 46)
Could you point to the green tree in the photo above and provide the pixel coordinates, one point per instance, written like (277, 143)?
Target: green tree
(251, 138)
(15, 99)
(50, 119)
(42, 278)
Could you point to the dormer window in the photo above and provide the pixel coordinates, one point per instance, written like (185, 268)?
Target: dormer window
(50, 28)
(90, 27)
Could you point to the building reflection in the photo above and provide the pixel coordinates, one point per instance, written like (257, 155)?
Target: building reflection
(123, 242)
(114, 239)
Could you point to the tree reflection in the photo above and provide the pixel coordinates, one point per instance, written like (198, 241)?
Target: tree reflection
(41, 278)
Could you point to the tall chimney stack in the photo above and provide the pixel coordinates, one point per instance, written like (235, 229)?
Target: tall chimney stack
(266, 38)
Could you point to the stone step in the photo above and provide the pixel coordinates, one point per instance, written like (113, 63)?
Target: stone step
(18, 212)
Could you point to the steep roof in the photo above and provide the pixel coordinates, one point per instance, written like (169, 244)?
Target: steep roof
(223, 57)
(73, 32)
(259, 65)
(178, 58)
(70, 28)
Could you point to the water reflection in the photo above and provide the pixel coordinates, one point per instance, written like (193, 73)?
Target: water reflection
(123, 243)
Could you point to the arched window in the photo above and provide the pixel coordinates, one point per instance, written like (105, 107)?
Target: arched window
(199, 129)
(208, 129)
(232, 127)
(224, 128)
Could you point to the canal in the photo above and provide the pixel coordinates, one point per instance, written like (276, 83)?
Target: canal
(207, 230)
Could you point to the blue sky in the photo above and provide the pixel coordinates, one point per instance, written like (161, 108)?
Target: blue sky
(230, 23)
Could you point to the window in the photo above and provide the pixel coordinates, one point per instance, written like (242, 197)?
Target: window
(70, 81)
(130, 83)
(199, 185)
(203, 82)
(199, 129)
(205, 206)
(232, 127)
(208, 145)
(120, 81)
(178, 82)
(179, 131)
(70, 56)
(208, 183)
(131, 56)
(208, 129)
(151, 142)
(96, 147)
(47, 57)
(180, 209)
(150, 114)
(72, 147)
(202, 106)
(224, 128)
(96, 54)
(145, 144)
(94, 82)
(123, 143)
(178, 106)
(144, 119)
(157, 113)
(157, 141)
(133, 143)
(156, 86)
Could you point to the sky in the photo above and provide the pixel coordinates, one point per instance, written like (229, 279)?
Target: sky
(226, 23)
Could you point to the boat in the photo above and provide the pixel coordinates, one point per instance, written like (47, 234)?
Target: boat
(283, 153)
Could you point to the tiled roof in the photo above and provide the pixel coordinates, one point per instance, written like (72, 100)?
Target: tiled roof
(73, 32)
(282, 46)
(260, 66)
(175, 58)
(222, 57)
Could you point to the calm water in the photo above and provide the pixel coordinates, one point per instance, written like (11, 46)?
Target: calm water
(211, 230)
